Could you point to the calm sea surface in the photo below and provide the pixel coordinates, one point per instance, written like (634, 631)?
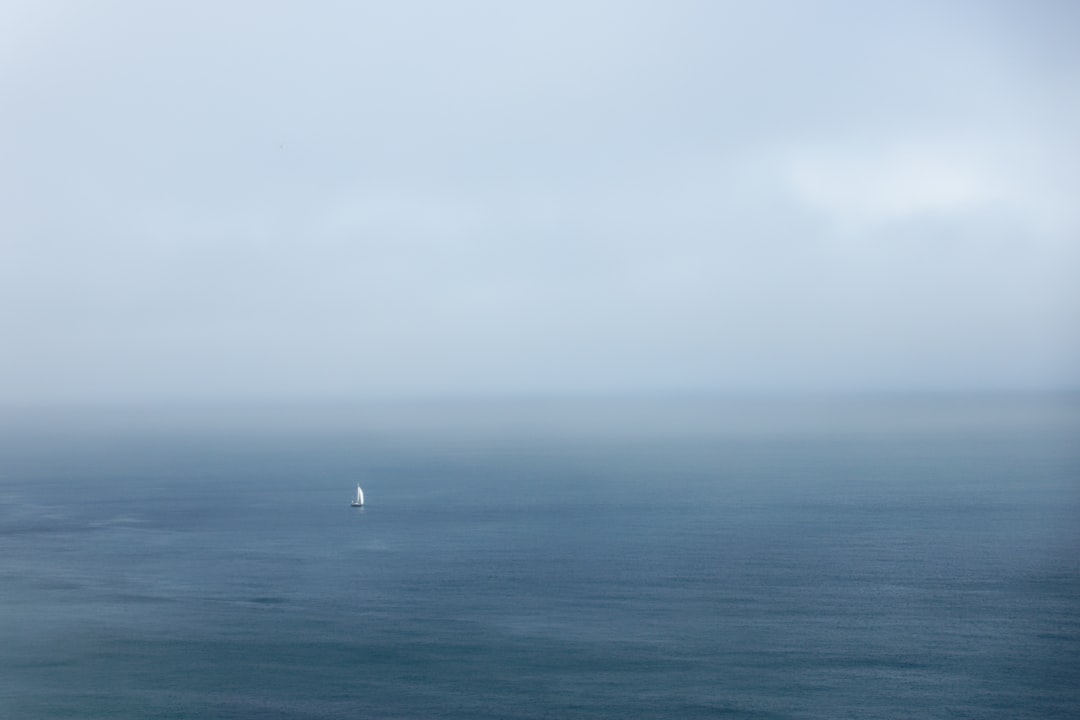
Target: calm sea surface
(875, 558)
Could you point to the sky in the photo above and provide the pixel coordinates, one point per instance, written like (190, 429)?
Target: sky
(339, 200)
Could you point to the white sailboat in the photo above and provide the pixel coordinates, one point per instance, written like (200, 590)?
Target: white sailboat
(359, 501)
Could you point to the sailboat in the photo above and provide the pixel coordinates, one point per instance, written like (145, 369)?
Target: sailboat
(359, 501)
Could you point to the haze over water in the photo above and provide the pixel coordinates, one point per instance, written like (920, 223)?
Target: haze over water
(697, 359)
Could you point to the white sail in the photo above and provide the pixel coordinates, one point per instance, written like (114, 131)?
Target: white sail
(359, 496)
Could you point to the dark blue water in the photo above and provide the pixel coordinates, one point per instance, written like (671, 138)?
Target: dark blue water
(887, 558)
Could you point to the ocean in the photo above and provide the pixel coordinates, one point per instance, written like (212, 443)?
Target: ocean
(874, 557)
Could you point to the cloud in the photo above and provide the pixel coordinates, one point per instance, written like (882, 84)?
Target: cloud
(859, 192)
(861, 189)
(346, 199)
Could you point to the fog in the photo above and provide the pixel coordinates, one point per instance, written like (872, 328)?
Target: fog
(323, 201)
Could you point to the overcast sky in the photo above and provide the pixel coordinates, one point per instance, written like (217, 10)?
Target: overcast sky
(338, 200)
